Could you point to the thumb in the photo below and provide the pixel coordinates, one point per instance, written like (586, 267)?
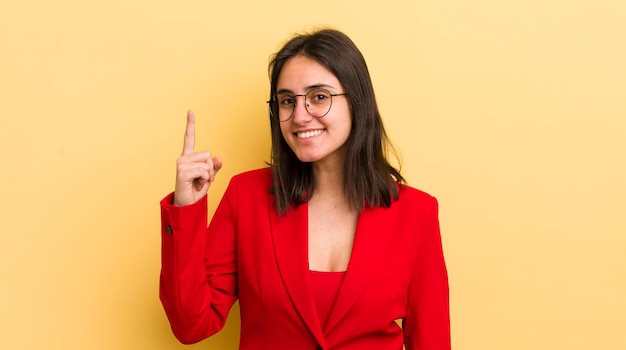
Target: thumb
(217, 163)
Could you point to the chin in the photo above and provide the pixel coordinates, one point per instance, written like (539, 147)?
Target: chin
(308, 158)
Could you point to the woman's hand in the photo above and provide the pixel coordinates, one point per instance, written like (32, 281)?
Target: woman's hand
(194, 170)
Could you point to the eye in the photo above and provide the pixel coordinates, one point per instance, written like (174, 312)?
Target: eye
(319, 96)
(285, 100)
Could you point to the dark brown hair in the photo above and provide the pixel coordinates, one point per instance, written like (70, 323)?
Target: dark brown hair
(369, 179)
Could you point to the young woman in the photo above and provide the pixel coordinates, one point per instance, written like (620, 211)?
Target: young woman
(325, 249)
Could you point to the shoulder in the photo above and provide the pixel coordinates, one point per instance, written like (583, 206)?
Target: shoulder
(412, 197)
(261, 174)
(248, 188)
(413, 193)
(251, 180)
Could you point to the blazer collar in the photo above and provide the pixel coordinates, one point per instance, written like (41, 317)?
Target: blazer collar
(289, 233)
(370, 242)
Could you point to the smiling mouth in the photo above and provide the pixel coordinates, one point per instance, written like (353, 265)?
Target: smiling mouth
(307, 134)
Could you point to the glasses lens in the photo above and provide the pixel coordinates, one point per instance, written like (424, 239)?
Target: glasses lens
(318, 102)
(285, 105)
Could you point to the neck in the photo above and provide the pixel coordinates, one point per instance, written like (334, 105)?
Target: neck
(328, 179)
(328, 182)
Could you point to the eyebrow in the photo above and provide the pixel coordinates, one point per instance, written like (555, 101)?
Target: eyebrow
(308, 88)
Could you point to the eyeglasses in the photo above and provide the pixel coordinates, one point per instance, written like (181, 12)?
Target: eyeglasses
(317, 103)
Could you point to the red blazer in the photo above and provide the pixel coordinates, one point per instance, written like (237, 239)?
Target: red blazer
(249, 252)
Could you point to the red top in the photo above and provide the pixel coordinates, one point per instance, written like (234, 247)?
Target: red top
(325, 286)
(252, 253)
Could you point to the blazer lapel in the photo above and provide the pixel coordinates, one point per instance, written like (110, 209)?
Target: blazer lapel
(369, 244)
(289, 234)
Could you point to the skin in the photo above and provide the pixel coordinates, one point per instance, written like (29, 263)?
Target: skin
(326, 150)
(195, 171)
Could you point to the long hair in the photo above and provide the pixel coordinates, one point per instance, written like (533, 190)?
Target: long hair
(369, 179)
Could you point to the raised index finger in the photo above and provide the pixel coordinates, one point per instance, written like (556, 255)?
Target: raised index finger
(190, 134)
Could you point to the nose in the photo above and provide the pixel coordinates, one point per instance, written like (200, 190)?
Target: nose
(300, 114)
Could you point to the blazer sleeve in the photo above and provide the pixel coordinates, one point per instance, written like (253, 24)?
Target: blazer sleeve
(427, 324)
(198, 283)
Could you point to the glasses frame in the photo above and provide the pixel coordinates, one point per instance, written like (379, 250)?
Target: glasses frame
(273, 99)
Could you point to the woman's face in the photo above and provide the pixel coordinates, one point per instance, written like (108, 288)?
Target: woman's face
(319, 140)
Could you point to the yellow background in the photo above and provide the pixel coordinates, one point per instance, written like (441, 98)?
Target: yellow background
(512, 113)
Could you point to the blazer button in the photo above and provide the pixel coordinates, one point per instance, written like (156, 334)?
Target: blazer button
(169, 230)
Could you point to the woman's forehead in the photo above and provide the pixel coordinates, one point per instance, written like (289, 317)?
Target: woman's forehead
(301, 73)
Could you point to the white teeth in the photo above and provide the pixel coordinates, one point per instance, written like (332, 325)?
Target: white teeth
(307, 134)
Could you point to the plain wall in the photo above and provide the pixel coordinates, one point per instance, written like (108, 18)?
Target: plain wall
(512, 113)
